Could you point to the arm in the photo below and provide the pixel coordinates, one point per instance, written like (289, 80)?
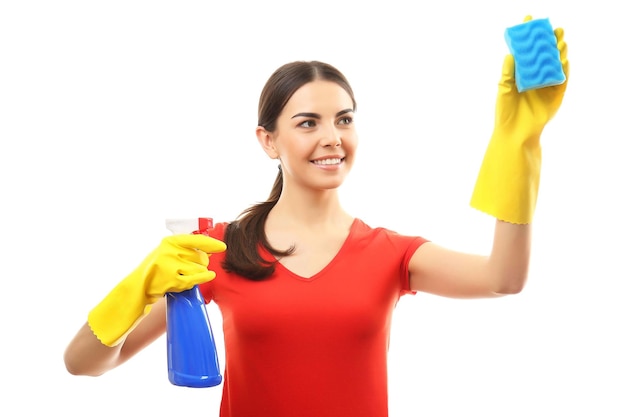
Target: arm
(132, 315)
(86, 355)
(440, 271)
(506, 188)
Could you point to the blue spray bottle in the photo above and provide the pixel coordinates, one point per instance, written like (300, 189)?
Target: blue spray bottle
(192, 359)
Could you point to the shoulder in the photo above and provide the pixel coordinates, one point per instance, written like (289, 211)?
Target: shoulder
(365, 234)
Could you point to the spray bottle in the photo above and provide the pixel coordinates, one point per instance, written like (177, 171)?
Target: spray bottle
(191, 353)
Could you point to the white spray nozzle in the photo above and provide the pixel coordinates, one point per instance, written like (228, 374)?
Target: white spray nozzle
(189, 225)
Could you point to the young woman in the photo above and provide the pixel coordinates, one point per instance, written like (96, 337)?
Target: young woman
(307, 290)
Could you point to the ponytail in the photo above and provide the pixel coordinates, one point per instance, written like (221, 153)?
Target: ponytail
(244, 235)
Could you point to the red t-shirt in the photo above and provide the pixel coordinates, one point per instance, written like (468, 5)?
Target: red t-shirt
(300, 347)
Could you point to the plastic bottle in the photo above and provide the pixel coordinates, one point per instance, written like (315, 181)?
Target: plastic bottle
(192, 359)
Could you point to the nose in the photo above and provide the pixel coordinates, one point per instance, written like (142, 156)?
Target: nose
(331, 137)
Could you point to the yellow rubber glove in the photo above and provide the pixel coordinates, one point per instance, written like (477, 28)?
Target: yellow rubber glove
(508, 180)
(177, 264)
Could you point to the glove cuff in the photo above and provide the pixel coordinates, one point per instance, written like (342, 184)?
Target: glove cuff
(119, 312)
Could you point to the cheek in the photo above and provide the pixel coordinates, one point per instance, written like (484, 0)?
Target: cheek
(295, 150)
(351, 142)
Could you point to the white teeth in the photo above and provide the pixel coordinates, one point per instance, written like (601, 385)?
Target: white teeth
(330, 161)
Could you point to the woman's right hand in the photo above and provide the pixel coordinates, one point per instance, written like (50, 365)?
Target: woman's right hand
(177, 264)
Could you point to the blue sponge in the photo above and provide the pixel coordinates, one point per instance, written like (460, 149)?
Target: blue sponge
(537, 58)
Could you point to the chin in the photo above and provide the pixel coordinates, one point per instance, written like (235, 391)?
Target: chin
(332, 185)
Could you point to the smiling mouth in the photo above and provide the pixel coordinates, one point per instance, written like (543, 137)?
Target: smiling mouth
(328, 161)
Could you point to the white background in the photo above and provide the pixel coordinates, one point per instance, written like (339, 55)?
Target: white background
(115, 115)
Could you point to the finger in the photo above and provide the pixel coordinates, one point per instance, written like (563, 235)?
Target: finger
(189, 266)
(564, 59)
(199, 277)
(507, 79)
(194, 257)
(528, 18)
(562, 46)
(559, 33)
(186, 282)
(211, 245)
(563, 50)
(198, 241)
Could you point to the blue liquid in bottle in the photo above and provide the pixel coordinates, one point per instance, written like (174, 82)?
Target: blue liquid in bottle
(192, 359)
(191, 354)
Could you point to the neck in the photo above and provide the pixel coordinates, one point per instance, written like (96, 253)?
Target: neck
(309, 209)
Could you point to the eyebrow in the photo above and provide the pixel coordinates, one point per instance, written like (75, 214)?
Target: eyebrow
(317, 116)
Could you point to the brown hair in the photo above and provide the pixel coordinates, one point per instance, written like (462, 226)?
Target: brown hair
(244, 235)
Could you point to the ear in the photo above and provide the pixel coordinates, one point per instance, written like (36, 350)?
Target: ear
(266, 140)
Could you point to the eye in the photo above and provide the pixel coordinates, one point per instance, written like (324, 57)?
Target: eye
(346, 120)
(307, 123)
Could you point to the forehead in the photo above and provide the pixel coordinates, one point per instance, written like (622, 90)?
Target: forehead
(319, 94)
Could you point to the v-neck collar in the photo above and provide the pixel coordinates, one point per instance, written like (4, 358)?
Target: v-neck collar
(321, 272)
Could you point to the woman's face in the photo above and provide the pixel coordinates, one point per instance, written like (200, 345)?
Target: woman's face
(315, 137)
